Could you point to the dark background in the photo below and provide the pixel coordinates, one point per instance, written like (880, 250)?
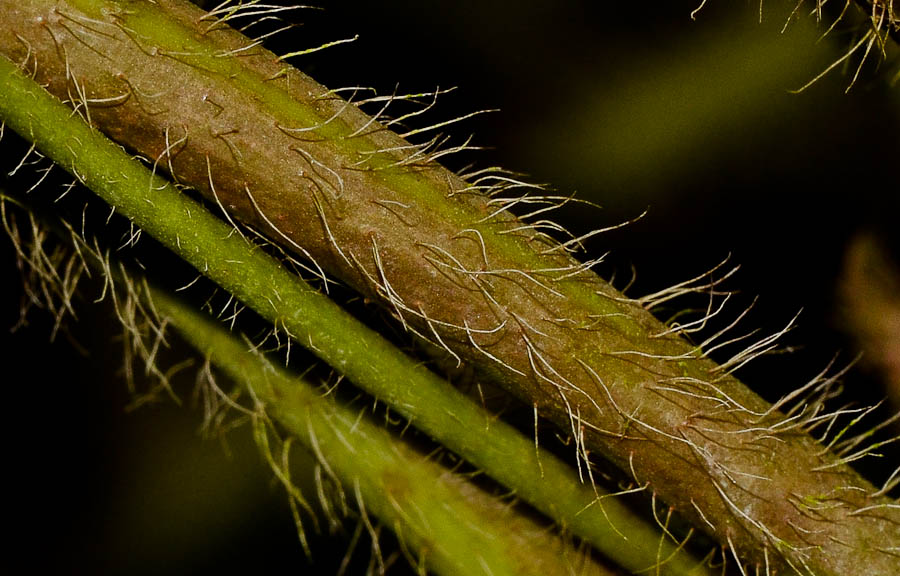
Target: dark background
(631, 106)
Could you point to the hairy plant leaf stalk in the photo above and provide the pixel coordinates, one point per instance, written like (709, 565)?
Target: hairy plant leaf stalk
(361, 354)
(288, 157)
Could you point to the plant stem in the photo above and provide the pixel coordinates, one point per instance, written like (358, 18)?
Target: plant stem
(445, 524)
(454, 527)
(312, 319)
(287, 156)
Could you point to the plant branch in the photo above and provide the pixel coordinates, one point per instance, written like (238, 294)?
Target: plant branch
(359, 353)
(286, 156)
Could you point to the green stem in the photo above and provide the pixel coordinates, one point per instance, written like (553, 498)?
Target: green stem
(445, 524)
(312, 319)
(455, 528)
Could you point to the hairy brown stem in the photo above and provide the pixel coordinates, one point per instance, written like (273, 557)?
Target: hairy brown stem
(281, 153)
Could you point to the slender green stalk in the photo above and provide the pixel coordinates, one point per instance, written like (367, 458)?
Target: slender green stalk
(455, 528)
(312, 319)
(445, 524)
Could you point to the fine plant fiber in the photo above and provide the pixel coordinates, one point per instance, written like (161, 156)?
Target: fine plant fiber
(881, 29)
(444, 254)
